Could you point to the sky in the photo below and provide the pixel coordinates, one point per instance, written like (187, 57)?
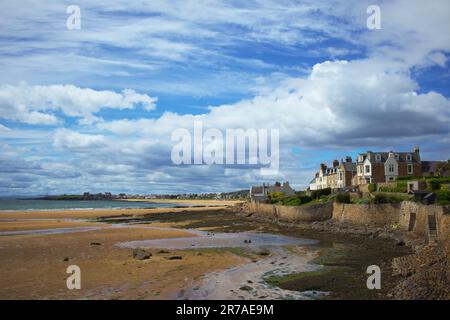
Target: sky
(93, 109)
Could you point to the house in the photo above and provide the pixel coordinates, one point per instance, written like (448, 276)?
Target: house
(261, 193)
(376, 167)
(338, 176)
(436, 168)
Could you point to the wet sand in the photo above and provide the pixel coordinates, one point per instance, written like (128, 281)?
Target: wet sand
(33, 266)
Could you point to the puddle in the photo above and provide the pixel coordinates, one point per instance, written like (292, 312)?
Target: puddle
(217, 240)
(247, 281)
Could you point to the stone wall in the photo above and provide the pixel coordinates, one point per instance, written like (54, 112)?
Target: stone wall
(373, 214)
(315, 212)
(408, 216)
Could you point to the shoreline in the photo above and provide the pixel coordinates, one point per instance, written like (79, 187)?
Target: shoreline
(182, 204)
(159, 277)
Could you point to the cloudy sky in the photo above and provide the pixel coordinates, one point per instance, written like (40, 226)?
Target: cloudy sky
(93, 109)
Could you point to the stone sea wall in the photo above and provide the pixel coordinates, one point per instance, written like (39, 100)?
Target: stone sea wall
(408, 216)
(315, 212)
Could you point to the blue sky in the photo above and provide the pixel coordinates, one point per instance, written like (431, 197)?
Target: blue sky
(93, 109)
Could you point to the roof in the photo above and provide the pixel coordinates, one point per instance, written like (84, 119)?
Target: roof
(349, 166)
(402, 156)
(256, 190)
(431, 166)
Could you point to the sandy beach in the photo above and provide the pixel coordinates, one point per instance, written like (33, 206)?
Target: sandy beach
(33, 266)
(210, 252)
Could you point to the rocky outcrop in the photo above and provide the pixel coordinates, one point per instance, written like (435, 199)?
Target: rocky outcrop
(426, 274)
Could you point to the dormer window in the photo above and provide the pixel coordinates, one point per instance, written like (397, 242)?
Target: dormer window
(360, 158)
(397, 157)
(378, 157)
(409, 157)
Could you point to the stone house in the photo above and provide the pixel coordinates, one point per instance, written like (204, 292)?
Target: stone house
(338, 176)
(261, 193)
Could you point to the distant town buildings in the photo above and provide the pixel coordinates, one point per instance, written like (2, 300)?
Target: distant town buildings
(376, 167)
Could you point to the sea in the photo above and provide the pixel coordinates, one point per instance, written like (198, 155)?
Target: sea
(18, 204)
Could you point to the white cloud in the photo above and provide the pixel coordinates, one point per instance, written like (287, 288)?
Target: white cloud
(71, 140)
(36, 104)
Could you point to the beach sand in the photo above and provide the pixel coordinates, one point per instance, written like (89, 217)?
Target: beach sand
(34, 266)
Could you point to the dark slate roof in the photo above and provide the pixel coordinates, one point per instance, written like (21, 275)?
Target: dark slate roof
(349, 166)
(385, 155)
(430, 166)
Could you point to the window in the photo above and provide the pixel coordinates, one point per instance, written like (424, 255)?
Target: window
(367, 169)
(397, 156)
(391, 168)
(378, 157)
(409, 157)
(360, 158)
(391, 178)
(410, 168)
(340, 176)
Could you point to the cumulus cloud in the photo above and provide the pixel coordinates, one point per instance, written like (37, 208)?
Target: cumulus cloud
(71, 140)
(37, 104)
(339, 103)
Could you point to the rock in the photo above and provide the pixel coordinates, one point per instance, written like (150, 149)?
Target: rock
(198, 254)
(246, 288)
(174, 258)
(141, 254)
(263, 252)
(96, 244)
(66, 259)
(163, 251)
(400, 243)
(249, 281)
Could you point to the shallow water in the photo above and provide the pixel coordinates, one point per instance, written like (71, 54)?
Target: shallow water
(218, 240)
(37, 204)
(247, 281)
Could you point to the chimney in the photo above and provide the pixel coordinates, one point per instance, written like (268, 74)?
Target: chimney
(348, 159)
(417, 153)
(323, 167)
(335, 163)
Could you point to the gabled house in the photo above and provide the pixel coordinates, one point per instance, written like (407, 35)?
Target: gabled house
(377, 167)
(339, 175)
(261, 193)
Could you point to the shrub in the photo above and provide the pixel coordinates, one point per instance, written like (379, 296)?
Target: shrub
(407, 178)
(372, 187)
(443, 197)
(343, 198)
(400, 187)
(384, 198)
(276, 197)
(434, 184)
(316, 194)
